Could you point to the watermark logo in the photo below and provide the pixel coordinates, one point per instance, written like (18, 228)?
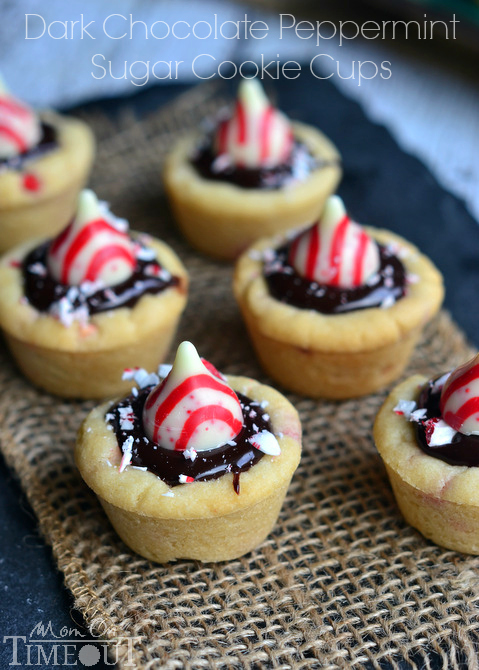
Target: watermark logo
(67, 647)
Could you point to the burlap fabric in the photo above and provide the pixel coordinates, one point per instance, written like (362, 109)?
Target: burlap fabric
(342, 582)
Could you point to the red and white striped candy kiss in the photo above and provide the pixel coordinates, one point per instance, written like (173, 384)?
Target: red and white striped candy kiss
(192, 407)
(460, 398)
(20, 128)
(257, 134)
(93, 247)
(335, 251)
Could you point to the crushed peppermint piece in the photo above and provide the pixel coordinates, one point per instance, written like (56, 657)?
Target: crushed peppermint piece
(265, 417)
(438, 432)
(66, 313)
(412, 278)
(134, 391)
(145, 253)
(388, 301)
(38, 269)
(88, 287)
(231, 443)
(264, 404)
(164, 370)
(126, 418)
(108, 462)
(126, 448)
(265, 442)
(139, 467)
(141, 377)
(253, 414)
(418, 415)
(168, 494)
(255, 427)
(439, 383)
(405, 408)
(190, 453)
(185, 479)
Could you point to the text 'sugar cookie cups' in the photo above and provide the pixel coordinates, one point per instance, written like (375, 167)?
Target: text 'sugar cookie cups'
(78, 309)
(335, 310)
(427, 433)
(193, 466)
(45, 160)
(258, 174)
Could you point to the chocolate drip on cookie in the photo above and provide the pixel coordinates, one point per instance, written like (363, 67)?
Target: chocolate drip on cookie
(462, 450)
(42, 290)
(297, 167)
(173, 467)
(383, 289)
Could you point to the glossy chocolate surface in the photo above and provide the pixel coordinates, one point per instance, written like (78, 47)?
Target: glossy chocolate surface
(48, 142)
(210, 464)
(42, 290)
(286, 285)
(297, 168)
(463, 450)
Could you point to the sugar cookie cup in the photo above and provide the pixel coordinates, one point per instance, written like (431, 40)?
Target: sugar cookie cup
(207, 520)
(87, 361)
(440, 500)
(221, 219)
(339, 355)
(58, 176)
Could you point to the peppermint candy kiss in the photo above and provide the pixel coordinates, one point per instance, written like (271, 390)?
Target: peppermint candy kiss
(20, 128)
(92, 247)
(460, 398)
(257, 135)
(193, 408)
(335, 251)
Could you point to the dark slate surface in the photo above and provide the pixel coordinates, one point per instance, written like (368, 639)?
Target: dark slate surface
(383, 186)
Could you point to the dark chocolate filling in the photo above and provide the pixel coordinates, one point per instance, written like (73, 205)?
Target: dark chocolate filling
(48, 142)
(387, 286)
(463, 450)
(42, 290)
(299, 165)
(168, 464)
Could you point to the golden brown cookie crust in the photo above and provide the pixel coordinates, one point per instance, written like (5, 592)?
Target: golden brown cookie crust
(336, 355)
(98, 456)
(111, 329)
(87, 360)
(356, 331)
(438, 499)
(396, 442)
(222, 219)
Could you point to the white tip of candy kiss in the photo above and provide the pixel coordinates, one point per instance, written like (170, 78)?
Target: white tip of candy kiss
(20, 127)
(257, 134)
(460, 398)
(93, 247)
(335, 251)
(193, 408)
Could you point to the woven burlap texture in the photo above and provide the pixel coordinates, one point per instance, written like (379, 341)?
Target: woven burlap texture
(342, 582)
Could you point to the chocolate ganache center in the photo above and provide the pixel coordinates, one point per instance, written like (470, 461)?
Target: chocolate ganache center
(301, 162)
(42, 290)
(48, 142)
(383, 289)
(236, 457)
(463, 450)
